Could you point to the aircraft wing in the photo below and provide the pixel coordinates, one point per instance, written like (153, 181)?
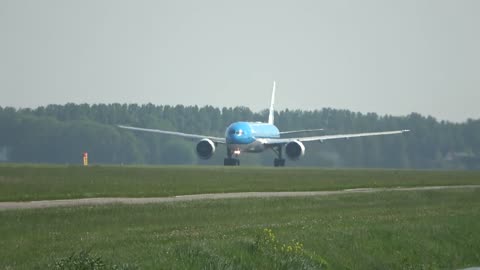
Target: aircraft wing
(178, 134)
(322, 138)
(300, 131)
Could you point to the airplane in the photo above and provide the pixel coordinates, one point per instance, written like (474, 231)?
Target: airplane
(256, 137)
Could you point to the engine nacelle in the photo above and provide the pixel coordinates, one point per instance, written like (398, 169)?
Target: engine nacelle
(205, 148)
(294, 150)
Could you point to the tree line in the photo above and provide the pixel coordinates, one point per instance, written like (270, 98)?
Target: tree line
(61, 133)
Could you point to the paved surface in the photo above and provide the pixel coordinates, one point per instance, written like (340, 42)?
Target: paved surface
(215, 196)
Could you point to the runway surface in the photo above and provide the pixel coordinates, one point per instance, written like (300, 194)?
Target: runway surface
(214, 196)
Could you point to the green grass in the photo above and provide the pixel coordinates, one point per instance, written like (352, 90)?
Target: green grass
(387, 230)
(30, 182)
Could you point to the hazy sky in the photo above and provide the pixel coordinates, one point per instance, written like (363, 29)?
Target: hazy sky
(389, 57)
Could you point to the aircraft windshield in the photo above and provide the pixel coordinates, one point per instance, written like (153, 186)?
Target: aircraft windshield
(235, 132)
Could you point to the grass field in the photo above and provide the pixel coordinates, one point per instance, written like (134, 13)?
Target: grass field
(28, 182)
(388, 230)
(437, 229)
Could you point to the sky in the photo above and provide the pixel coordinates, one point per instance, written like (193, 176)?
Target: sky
(383, 56)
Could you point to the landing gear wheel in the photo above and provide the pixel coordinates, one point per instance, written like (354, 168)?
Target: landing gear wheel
(231, 162)
(279, 162)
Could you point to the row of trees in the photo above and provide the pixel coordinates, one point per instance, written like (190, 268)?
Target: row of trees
(61, 133)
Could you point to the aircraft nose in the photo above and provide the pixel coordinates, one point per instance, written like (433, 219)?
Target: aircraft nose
(236, 138)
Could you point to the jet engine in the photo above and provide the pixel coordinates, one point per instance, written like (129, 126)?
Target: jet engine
(205, 148)
(294, 150)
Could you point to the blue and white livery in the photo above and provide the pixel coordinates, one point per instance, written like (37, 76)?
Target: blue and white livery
(255, 137)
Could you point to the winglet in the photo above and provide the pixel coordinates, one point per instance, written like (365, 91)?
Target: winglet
(272, 113)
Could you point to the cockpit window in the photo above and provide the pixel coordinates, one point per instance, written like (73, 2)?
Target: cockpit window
(238, 132)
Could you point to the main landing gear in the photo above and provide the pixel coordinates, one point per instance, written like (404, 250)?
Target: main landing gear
(278, 162)
(231, 161)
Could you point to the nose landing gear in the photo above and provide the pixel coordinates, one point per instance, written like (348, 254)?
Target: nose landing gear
(230, 160)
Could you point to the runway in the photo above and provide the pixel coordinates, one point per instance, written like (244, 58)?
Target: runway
(213, 196)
